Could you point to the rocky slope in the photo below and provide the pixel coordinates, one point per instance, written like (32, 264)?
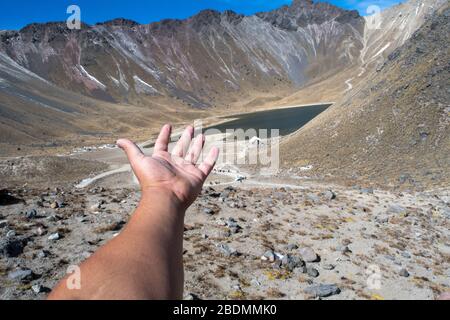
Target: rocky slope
(390, 29)
(394, 127)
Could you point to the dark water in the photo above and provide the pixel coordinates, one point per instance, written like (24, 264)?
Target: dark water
(286, 120)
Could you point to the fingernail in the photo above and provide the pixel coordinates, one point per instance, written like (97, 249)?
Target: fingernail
(121, 142)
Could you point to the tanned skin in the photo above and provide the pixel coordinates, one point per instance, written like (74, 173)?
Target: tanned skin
(145, 261)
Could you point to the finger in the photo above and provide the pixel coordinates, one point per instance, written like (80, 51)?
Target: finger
(162, 143)
(196, 149)
(182, 145)
(131, 149)
(210, 161)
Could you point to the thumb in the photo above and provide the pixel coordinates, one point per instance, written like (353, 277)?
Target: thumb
(131, 149)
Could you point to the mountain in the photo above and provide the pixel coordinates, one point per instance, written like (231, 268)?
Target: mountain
(212, 61)
(394, 127)
(196, 60)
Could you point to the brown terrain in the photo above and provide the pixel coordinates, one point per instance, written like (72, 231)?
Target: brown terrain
(394, 127)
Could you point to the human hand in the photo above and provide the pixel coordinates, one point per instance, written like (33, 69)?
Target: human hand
(176, 173)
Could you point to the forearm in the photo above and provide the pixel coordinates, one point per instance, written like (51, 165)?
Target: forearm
(146, 260)
(143, 262)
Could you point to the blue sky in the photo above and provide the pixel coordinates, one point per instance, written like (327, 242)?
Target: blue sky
(14, 14)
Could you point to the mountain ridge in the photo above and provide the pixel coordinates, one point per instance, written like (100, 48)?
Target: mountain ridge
(210, 61)
(115, 34)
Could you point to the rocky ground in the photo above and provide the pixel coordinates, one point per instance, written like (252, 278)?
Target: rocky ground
(393, 127)
(292, 239)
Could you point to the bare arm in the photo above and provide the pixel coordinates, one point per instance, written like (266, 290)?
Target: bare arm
(145, 261)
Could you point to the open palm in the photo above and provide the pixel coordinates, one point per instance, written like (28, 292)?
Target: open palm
(175, 172)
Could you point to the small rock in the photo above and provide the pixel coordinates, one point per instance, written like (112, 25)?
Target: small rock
(37, 288)
(31, 214)
(225, 194)
(21, 274)
(224, 233)
(82, 219)
(312, 272)
(43, 254)
(232, 223)
(191, 297)
(54, 236)
(382, 219)
(40, 231)
(366, 190)
(391, 258)
(54, 205)
(405, 178)
(312, 197)
(3, 223)
(446, 212)
(86, 254)
(237, 287)
(211, 192)
(329, 195)
(10, 234)
(96, 207)
(291, 262)
(323, 290)
(346, 242)
(268, 255)
(291, 247)
(115, 200)
(308, 254)
(379, 67)
(236, 204)
(234, 230)
(53, 218)
(221, 222)
(404, 273)
(406, 254)
(255, 282)
(328, 267)
(344, 249)
(227, 251)
(208, 211)
(233, 226)
(11, 247)
(396, 208)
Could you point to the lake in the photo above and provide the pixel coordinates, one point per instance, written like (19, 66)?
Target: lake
(287, 120)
